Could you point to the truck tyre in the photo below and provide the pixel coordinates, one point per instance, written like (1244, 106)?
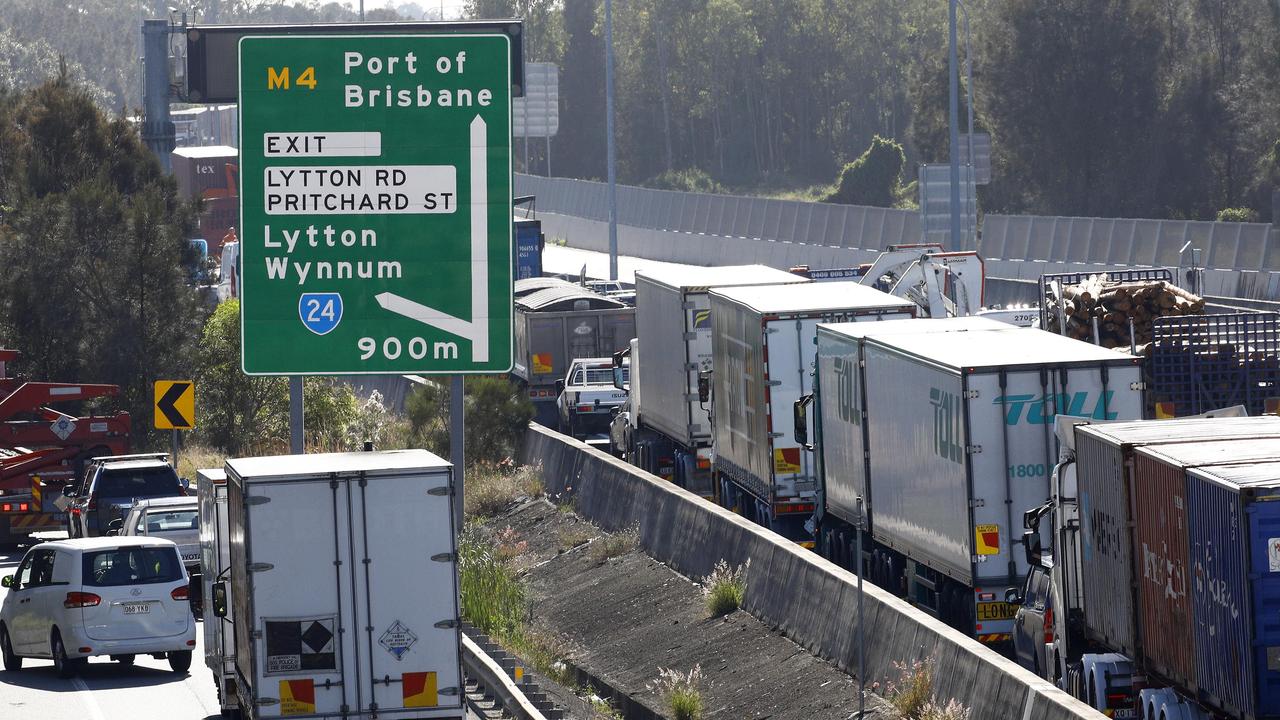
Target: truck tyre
(180, 661)
(12, 663)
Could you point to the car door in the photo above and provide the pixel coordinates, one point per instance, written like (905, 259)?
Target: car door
(46, 600)
(23, 620)
(1028, 630)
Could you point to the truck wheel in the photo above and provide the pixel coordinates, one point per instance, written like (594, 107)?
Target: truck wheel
(12, 662)
(180, 661)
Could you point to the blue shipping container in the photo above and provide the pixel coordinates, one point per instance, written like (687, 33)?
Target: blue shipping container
(528, 248)
(1233, 528)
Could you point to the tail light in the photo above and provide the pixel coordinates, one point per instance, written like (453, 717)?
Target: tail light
(23, 507)
(704, 463)
(80, 600)
(75, 511)
(585, 408)
(7, 507)
(1119, 701)
(179, 593)
(1048, 626)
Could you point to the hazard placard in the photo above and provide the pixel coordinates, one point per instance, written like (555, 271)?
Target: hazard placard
(987, 539)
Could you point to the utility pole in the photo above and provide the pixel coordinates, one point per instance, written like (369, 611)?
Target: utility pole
(608, 125)
(953, 78)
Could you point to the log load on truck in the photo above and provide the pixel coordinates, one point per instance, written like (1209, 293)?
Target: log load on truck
(1158, 593)
(763, 354)
(42, 449)
(959, 445)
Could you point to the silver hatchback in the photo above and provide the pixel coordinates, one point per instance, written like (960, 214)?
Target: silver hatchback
(172, 518)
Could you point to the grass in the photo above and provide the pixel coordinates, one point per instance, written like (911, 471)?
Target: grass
(725, 588)
(491, 489)
(494, 599)
(573, 536)
(911, 694)
(612, 545)
(683, 696)
(198, 457)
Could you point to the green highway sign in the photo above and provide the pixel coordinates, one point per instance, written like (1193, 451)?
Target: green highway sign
(375, 204)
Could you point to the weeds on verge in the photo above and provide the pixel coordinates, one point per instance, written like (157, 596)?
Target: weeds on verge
(725, 588)
(684, 697)
(911, 694)
(494, 599)
(573, 536)
(611, 545)
(492, 489)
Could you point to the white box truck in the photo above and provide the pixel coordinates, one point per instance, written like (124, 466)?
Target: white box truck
(763, 351)
(344, 586)
(671, 429)
(961, 444)
(838, 427)
(215, 566)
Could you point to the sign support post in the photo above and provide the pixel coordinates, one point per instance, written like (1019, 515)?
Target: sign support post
(296, 417)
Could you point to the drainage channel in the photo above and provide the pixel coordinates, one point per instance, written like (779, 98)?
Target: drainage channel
(497, 685)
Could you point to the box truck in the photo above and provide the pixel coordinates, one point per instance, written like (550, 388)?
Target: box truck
(670, 425)
(215, 566)
(1116, 508)
(762, 357)
(960, 443)
(343, 586)
(839, 428)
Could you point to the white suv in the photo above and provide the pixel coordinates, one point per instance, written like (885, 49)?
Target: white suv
(116, 596)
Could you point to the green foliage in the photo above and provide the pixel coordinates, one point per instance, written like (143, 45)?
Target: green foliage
(615, 544)
(235, 412)
(491, 489)
(682, 692)
(492, 597)
(725, 588)
(1238, 214)
(874, 178)
(912, 694)
(497, 413)
(687, 180)
(92, 250)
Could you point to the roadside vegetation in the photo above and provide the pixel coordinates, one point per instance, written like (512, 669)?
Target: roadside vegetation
(682, 692)
(912, 696)
(725, 588)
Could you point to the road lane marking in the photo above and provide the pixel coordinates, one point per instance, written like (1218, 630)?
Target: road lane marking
(95, 712)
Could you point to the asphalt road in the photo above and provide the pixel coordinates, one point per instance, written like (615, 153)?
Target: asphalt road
(106, 690)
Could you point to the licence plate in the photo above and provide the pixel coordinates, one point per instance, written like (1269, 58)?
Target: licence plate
(136, 608)
(996, 611)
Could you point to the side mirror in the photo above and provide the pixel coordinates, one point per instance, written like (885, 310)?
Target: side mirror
(186, 483)
(800, 417)
(704, 387)
(1031, 543)
(619, 379)
(115, 526)
(1012, 596)
(69, 490)
(220, 599)
(559, 386)
(6, 581)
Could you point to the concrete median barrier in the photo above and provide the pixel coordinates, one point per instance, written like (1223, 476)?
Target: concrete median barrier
(812, 601)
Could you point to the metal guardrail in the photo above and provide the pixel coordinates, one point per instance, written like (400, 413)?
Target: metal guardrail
(497, 683)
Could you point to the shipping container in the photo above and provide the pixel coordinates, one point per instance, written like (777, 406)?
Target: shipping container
(1162, 548)
(673, 323)
(841, 434)
(961, 443)
(344, 586)
(211, 171)
(763, 352)
(529, 241)
(1104, 461)
(1234, 533)
(557, 323)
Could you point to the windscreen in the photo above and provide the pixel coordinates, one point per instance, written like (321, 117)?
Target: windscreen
(166, 521)
(131, 566)
(142, 482)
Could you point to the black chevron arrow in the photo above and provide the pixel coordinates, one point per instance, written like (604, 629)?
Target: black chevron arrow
(167, 400)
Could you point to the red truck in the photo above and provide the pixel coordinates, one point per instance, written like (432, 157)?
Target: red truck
(42, 449)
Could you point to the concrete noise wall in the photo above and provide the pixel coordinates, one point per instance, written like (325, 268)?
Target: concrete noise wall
(813, 601)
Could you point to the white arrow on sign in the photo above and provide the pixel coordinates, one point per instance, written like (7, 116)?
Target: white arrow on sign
(477, 329)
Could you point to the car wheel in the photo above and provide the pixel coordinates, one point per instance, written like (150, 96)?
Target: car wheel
(12, 662)
(180, 661)
(123, 659)
(63, 665)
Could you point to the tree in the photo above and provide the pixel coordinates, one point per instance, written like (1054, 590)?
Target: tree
(874, 178)
(93, 246)
(497, 414)
(235, 410)
(580, 143)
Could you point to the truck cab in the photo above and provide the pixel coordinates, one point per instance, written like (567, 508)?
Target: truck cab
(588, 397)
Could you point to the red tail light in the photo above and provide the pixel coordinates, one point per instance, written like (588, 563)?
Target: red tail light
(23, 507)
(1048, 626)
(75, 511)
(80, 600)
(7, 507)
(179, 593)
(1119, 701)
